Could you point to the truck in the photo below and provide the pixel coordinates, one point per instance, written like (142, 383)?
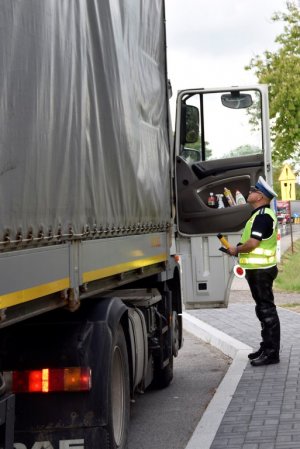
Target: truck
(105, 229)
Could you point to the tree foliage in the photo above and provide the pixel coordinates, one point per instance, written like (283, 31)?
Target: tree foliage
(243, 150)
(281, 71)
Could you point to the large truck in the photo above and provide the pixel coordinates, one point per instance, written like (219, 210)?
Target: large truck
(105, 226)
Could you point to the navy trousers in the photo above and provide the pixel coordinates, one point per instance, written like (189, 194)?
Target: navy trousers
(261, 285)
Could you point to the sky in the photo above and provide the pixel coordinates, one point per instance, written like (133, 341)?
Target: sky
(209, 42)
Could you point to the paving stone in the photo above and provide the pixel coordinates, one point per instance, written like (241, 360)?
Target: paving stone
(250, 446)
(264, 412)
(283, 438)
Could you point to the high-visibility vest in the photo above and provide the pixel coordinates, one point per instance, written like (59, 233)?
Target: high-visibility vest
(264, 256)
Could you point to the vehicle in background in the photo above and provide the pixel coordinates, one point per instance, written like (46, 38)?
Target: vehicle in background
(295, 211)
(287, 211)
(283, 211)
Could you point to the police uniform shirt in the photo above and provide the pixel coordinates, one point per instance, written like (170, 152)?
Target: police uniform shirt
(262, 227)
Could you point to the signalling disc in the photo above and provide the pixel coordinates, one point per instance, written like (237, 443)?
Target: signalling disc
(239, 271)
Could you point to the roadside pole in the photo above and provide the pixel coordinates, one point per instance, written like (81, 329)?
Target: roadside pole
(292, 239)
(278, 247)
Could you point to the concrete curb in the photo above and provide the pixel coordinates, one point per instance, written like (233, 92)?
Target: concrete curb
(207, 427)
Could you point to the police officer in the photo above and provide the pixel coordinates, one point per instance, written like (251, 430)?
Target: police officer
(257, 255)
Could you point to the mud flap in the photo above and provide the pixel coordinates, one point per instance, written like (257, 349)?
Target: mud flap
(61, 339)
(7, 418)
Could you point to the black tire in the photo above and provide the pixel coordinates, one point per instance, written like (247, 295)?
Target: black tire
(163, 376)
(119, 400)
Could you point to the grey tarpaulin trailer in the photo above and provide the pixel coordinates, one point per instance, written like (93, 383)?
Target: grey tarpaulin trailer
(104, 223)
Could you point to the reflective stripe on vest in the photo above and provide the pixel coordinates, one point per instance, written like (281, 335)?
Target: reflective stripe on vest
(265, 252)
(264, 256)
(257, 260)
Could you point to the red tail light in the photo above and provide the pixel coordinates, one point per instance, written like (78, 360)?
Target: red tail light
(49, 380)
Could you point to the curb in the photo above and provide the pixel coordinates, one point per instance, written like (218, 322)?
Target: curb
(210, 421)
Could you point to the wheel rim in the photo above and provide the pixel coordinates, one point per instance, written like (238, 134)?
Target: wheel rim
(118, 395)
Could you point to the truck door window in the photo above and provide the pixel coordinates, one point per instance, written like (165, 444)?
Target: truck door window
(222, 144)
(223, 132)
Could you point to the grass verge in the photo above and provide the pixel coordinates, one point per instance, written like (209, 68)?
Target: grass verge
(288, 278)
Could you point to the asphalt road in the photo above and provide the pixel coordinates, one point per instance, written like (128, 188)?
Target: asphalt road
(166, 419)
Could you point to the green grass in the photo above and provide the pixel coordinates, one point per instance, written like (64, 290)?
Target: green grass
(292, 305)
(288, 278)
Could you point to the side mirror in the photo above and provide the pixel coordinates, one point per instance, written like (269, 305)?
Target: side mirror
(189, 124)
(236, 100)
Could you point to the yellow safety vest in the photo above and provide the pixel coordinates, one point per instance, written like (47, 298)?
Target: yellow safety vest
(264, 256)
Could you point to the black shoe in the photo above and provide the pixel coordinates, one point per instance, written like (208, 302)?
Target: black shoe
(265, 359)
(254, 355)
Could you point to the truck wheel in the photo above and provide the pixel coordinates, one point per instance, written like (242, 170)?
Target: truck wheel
(119, 393)
(163, 376)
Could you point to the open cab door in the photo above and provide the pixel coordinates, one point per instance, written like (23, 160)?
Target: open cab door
(221, 141)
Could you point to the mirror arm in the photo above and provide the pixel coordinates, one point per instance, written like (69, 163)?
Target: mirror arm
(182, 123)
(202, 128)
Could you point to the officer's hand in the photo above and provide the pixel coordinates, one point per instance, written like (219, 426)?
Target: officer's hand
(232, 250)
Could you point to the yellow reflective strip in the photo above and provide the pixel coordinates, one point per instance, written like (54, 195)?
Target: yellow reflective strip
(269, 252)
(258, 251)
(120, 268)
(11, 299)
(256, 260)
(266, 252)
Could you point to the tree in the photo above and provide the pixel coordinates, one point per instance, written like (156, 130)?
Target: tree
(243, 150)
(281, 71)
(197, 146)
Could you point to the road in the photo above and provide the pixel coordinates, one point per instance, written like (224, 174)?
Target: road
(166, 419)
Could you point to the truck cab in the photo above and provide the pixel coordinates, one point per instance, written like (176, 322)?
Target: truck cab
(221, 145)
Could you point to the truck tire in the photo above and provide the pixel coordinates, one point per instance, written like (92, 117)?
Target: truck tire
(163, 376)
(119, 400)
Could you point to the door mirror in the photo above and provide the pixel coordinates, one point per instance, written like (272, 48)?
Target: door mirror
(190, 124)
(236, 100)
